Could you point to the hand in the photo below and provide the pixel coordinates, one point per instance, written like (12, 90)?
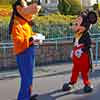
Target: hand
(78, 53)
(36, 42)
(71, 55)
(38, 38)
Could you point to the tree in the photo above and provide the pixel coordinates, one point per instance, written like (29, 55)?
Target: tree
(95, 6)
(63, 7)
(71, 7)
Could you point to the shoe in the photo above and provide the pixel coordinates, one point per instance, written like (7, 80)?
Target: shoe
(67, 87)
(34, 97)
(88, 88)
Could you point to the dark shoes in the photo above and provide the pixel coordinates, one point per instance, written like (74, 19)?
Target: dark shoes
(67, 87)
(88, 88)
(34, 97)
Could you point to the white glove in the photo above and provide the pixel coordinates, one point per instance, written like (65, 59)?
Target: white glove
(71, 55)
(78, 53)
(39, 37)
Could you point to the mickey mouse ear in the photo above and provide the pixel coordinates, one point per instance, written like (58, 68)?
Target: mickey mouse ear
(92, 17)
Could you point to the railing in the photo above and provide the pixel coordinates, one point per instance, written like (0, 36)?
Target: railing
(8, 61)
(56, 34)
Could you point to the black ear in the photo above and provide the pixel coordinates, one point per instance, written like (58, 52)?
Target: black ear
(92, 17)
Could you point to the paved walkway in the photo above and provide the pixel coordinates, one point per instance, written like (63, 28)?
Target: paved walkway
(48, 82)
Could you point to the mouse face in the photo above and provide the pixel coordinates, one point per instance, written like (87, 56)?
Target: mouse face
(82, 23)
(76, 26)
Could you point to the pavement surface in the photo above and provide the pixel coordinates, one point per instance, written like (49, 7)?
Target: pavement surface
(48, 81)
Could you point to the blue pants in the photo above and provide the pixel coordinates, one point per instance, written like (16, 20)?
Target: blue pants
(26, 62)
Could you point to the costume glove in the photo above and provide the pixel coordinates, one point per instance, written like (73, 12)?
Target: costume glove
(39, 38)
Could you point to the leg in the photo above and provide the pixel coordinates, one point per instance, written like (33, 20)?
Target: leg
(85, 71)
(25, 65)
(73, 80)
(87, 85)
(75, 73)
(85, 68)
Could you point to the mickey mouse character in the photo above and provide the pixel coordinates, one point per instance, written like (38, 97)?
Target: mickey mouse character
(81, 50)
(22, 36)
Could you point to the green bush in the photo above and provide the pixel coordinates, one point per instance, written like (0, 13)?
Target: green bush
(57, 25)
(52, 26)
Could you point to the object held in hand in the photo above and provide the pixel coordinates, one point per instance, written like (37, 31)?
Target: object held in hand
(38, 38)
(71, 55)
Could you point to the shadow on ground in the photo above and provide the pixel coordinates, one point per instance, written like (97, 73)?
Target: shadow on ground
(55, 74)
(95, 95)
(54, 95)
(95, 74)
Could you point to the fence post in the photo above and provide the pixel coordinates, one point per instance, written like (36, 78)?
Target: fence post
(96, 51)
(4, 51)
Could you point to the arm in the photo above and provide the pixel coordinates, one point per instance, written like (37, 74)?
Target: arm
(18, 36)
(87, 42)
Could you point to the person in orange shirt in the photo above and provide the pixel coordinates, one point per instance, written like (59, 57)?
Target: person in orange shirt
(21, 33)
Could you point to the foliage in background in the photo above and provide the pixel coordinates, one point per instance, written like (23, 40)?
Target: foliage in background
(65, 6)
(52, 25)
(57, 25)
(69, 7)
(53, 19)
(6, 2)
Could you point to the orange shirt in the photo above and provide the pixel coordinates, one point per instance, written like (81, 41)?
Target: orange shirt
(21, 32)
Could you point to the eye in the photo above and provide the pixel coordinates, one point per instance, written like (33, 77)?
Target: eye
(74, 24)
